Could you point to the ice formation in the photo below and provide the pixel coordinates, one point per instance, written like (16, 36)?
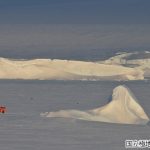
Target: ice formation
(123, 109)
(47, 69)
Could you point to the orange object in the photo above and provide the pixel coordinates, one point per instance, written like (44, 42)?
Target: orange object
(2, 109)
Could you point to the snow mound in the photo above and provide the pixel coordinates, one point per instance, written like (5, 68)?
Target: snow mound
(123, 109)
(47, 69)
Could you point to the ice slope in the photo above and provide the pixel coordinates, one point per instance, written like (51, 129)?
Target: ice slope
(43, 69)
(123, 109)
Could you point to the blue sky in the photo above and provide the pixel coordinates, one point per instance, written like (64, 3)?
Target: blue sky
(75, 11)
(78, 29)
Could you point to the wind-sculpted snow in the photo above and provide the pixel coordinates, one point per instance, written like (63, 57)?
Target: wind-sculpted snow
(123, 109)
(47, 69)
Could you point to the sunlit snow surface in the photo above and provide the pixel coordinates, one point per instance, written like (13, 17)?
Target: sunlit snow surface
(22, 127)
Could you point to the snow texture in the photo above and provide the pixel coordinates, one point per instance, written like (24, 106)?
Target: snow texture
(22, 127)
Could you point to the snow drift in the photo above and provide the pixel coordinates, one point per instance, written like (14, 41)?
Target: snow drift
(123, 109)
(44, 69)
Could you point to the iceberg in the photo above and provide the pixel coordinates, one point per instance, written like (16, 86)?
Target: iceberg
(47, 69)
(123, 108)
(136, 60)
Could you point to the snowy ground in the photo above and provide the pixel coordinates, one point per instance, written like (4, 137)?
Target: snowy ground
(22, 128)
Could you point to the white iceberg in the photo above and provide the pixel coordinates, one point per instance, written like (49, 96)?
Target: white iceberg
(136, 60)
(46, 69)
(123, 109)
